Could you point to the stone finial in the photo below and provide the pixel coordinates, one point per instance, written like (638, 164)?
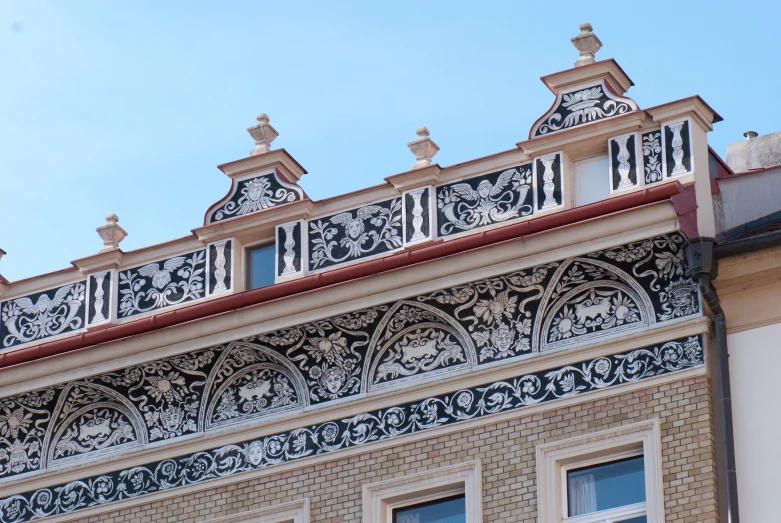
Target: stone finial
(423, 148)
(111, 233)
(263, 134)
(2, 252)
(587, 45)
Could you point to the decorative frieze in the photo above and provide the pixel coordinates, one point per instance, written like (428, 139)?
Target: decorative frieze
(356, 234)
(100, 296)
(161, 284)
(341, 432)
(252, 194)
(42, 315)
(220, 266)
(485, 200)
(677, 148)
(652, 156)
(548, 179)
(290, 249)
(582, 105)
(622, 153)
(561, 304)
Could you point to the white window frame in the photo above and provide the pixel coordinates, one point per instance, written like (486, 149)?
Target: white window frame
(554, 460)
(293, 512)
(382, 498)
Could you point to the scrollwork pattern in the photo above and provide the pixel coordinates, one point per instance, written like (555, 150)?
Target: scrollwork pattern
(351, 235)
(256, 194)
(53, 312)
(152, 287)
(343, 433)
(581, 107)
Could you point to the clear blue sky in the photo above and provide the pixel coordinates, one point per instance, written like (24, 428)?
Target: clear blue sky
(128, 107)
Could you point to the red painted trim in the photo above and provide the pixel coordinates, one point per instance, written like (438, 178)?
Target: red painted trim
(685, 203)
(338, 276)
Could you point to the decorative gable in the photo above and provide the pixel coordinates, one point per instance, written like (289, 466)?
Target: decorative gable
(252, 194)
(582, 105)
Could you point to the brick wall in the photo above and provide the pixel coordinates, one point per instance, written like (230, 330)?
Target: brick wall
(507, 451)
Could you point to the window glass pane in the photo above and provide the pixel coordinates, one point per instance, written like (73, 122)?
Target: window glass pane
(448, 510)
(637, 519)
(261, 266)
(606, 486)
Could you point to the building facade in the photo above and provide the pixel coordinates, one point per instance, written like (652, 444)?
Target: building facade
(529, 336)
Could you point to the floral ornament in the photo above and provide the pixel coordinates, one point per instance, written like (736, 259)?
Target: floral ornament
(165, 387)
(652, 149)
(498, 307)
(332, 349)
(12, 422)
(581, 107)
(565, 325)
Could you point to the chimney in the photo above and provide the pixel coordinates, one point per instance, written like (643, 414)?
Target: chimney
(755, 152)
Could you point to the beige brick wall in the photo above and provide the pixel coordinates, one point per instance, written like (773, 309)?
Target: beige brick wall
(507, 451)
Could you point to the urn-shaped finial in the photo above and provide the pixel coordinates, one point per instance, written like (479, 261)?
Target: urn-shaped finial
(423, 148)
(587, 45)
(263, 134)
(111, 233)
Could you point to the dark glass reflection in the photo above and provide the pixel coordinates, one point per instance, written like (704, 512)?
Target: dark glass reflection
(606, 486)
(261, 266)
(447, 510)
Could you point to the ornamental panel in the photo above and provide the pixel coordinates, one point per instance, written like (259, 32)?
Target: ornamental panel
(341, 433)
(652, 156)
(548, 177)
(677, 148)
(580, 106)
(99, 292)
(355, 234)
(253, 194)
(418, 226)
(623, 162)
(220, 273)
(490, 199)
(41, 315)
(290, 248)
(161, 284)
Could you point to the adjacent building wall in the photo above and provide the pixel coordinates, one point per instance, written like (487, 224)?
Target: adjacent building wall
(755, 355)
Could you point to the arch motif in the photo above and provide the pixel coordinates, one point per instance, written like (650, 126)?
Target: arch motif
(414, 339)
(587, 299)
(92, 419)
(250, 381)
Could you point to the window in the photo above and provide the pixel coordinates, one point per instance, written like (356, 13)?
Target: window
(606, 486)
(613, 476)
(450, 494)
(293, 512)
(592, 181)
(260, 263)
(445, 510)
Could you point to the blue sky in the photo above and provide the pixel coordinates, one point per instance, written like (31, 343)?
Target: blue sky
(128, 107)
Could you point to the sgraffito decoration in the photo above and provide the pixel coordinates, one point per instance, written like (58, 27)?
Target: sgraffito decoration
(42, 315)
(290, 249)
(99, 298)
(485, 200)
(652, 156)
(561, 304)
(581, 106)
(253, 194)
(344, 433)
(677, 148)
(417, 215)
(220, 266)
(623, 162)
(356, 234)
(160, 284)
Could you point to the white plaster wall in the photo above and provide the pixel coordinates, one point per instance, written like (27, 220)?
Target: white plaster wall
(755, 357)
(749, 197)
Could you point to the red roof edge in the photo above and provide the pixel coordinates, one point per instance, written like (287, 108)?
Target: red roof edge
(337, 276)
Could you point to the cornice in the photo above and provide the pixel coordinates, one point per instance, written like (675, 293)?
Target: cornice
(277, 158)
(253, 226)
